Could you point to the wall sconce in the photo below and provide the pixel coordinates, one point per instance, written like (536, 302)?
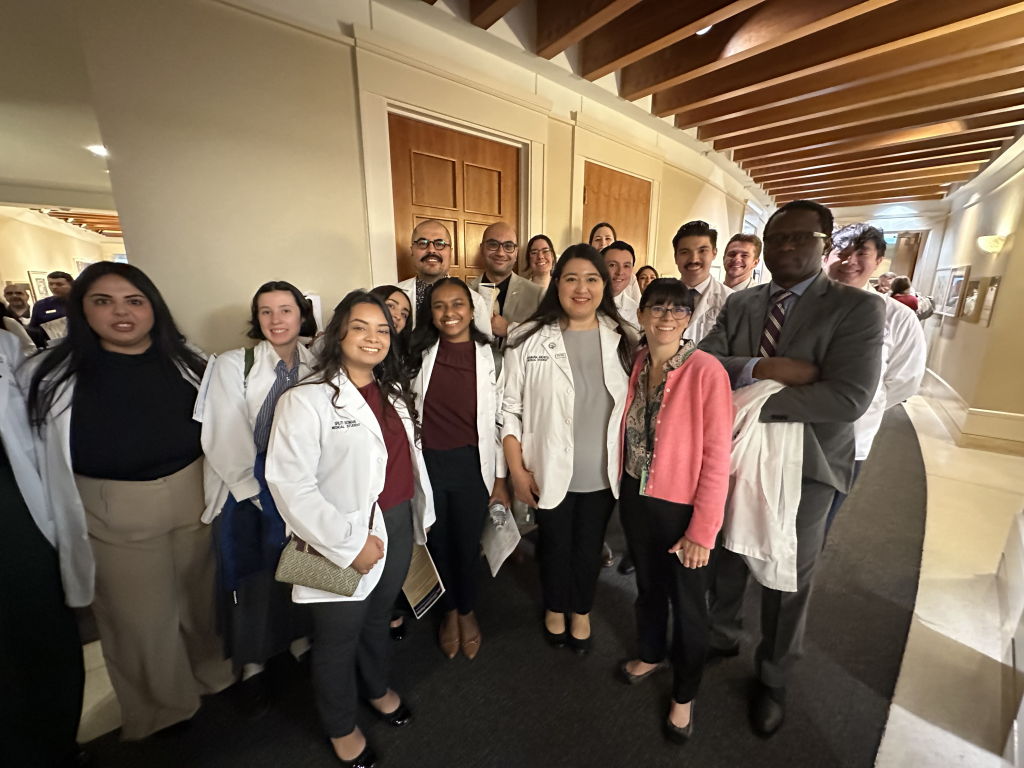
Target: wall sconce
(991, 243)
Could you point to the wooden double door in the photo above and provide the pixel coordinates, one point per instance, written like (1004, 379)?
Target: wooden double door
(465, 181)
(622, 200)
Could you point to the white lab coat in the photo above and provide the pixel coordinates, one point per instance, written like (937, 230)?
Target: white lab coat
(766, 469)
(489, 390)
(748, 283)
(19, 441)
(16, 328)
(628, 308)
(228, 414)
(538, 406)
(77, 566)
(633, 289)
(326, 467)
(705, 314)
(904, 354)
(481, 306)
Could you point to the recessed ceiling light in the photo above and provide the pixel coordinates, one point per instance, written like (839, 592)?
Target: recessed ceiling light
(100, 151)
(705, 30)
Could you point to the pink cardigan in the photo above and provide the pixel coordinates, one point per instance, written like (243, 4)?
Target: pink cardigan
(693, 440)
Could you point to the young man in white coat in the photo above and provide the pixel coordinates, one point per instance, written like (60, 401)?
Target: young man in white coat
(620, 258)
(516, 298)
(41, 672)
(857, 250)
(742, 255)
(431, 251)
(695, 246)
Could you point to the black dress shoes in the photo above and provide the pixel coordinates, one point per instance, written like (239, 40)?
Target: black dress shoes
(579, 647)
(607, 556)
(401, 717)
(630, 679)
(366, 759)
(674, 733)
(556, 639)
(767, 710)
(626, 566)
(253, 696)
(719, 654)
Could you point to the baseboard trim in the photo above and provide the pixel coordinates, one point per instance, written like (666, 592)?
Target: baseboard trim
(996, 431)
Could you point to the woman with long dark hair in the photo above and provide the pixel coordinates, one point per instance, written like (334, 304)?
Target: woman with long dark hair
(459, 395)
(257, 617)
(540, 258)
(566, 376)
(348, 476)
(398, 305)
(122, 462)
(673, 499)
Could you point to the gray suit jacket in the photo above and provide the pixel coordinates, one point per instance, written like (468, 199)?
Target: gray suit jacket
(522, 300)
(837, 328)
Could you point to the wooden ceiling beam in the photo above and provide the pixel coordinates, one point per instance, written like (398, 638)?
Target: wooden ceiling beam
(861, 178)
(878, 165)
(846, 202)
(841, 142)
(819, 131)
(484, 13)
(911, 150)
(908, 24)
(562, 23)
(796, 193)
(741, 38)
(648, 27)
(978, 71)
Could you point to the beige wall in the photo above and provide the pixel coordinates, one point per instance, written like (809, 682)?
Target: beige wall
(32, 241)
(233, 155)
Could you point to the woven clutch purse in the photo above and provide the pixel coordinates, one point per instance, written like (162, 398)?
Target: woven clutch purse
(302, 565)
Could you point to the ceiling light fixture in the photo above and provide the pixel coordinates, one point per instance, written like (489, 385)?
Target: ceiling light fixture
(705, 30)
(98, 149)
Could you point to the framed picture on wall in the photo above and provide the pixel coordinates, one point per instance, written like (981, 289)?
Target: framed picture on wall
(80, 265)
(974, 299)
(990, 290)
(40, 288)
(954, 303)
(939, 289)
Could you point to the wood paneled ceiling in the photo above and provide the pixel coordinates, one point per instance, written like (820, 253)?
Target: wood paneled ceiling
(847, 101)
(94, 221)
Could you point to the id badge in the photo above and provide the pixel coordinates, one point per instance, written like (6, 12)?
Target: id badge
(644, 474)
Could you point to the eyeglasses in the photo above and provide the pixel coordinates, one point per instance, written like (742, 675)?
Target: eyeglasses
(677, 312)
(777, 240)
(508, 246)
(540, 251)
(439, 244)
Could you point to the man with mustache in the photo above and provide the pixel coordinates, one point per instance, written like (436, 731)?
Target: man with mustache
(432, 255)
(742, 255)
(517, 298)
(695, 246)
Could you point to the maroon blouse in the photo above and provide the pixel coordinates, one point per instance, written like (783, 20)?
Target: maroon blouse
(449, 409)
(399, 482)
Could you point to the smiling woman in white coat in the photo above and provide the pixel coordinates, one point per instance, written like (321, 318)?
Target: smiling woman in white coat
(258, 619)
(346, 470)
(566, 378)
(122, 466)
(459, 396)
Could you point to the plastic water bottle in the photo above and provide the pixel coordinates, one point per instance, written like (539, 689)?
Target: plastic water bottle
(499, 513)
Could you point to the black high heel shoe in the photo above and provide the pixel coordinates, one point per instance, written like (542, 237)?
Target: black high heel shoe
(399, 718)
(556, 640)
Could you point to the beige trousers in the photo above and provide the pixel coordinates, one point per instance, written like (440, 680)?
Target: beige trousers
(155, 601)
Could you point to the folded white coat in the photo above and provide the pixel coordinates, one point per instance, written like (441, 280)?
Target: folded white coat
(764, 489)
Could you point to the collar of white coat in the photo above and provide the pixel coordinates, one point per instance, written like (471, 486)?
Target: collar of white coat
(555, 328)
(701, 287)
(265, 351)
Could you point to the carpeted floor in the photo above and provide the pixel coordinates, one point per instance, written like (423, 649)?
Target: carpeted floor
(521, 703)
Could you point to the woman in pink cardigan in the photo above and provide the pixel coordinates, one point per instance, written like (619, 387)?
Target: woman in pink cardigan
(676, 431)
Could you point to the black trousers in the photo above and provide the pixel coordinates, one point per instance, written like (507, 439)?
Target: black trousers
(653, 526)
(837, 502)
(570, 538)
(460, 507)
(42, 676)
(351, 638)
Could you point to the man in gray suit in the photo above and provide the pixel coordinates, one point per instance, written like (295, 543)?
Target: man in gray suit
(822, 340)
(517, 297)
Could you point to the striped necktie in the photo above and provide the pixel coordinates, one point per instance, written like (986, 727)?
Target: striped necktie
(773, 328)
(265, 418)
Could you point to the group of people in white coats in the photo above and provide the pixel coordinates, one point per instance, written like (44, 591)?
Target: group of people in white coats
(386, 436)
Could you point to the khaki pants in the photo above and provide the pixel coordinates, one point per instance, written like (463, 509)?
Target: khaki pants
(154, 603)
